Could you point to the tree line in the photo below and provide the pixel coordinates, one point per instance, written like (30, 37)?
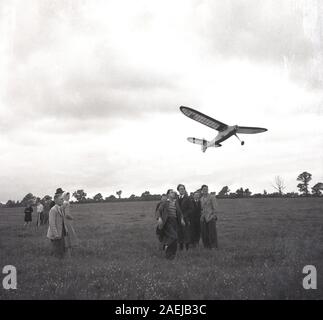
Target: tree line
(80, 195)
(279, 185)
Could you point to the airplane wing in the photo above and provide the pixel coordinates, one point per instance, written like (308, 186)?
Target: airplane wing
(250, 130)
(204, 119)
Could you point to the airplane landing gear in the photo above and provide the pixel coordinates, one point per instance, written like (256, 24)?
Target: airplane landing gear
(242, 142)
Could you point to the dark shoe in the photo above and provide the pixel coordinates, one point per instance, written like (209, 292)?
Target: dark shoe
(187, 246)
(181, 246)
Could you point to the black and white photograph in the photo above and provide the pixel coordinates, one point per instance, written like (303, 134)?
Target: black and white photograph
(161, 150)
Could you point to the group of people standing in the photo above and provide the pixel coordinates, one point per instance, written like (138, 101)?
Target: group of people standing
(183, 220)
(56, 214)
(42, 212)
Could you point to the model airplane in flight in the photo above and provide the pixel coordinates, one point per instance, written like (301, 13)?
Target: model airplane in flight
(225, 131)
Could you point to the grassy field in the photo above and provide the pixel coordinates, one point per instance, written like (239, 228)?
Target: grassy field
(264, 245)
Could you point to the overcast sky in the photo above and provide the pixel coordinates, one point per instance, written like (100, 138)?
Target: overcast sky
(90, 93)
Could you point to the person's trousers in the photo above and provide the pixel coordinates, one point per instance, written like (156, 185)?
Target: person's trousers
(209, 234)
(171, 250)
(58, 246)
(183, 233)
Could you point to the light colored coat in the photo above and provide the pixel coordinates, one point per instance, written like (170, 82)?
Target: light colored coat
(209, 207)
(56, 223)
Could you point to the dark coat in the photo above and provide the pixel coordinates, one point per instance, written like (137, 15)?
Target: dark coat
(162, 212)
(195, 229)
(167, 232)
(157, 207)
(183, 232)
(186, 207)
(196, 212)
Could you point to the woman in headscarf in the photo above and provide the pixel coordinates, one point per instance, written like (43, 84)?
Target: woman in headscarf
(208, 219)
(169, 217)
(71, 238)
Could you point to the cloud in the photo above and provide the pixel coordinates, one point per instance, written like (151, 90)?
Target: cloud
(65, 67)
(266, 32)
(90, 90)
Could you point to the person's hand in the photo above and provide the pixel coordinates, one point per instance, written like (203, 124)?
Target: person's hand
(160, 223)
(183, 222)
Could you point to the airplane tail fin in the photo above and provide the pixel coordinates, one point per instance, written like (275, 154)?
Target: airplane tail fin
(204, 143)
(201, 142)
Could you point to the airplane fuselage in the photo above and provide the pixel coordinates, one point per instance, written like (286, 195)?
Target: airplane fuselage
(222, 136)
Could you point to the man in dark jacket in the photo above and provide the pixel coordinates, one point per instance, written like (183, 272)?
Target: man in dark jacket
(186, 206)
(195, 227)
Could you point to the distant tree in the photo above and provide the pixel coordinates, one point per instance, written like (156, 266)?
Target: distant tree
(247, 193)
(257, 195)
(10, 204)
(80, 195)
(110, 198)
(146, 195)
(28, 199)
(274, 195)
(316, 189)
(305, 178)
(224, 192)
(240, 193)
(119, 193)
(132, 197)
(98, 197)
(279, 185)
(319, 185)
(292, 194)
(265, 193)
